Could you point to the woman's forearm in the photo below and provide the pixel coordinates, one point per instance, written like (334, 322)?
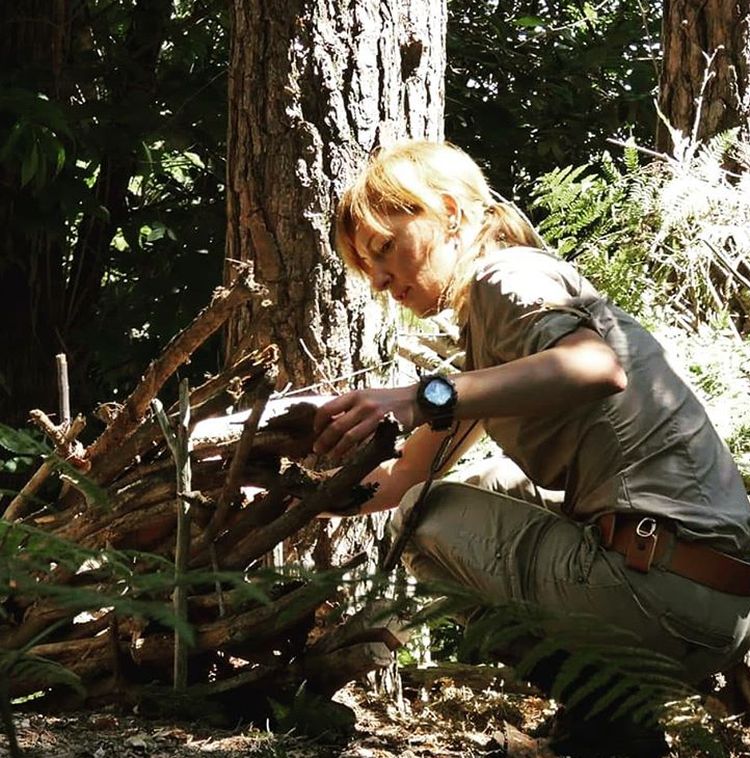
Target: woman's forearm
(579, 368)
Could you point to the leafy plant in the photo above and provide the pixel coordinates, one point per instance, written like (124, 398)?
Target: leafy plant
(589, 665)
(532, 84)
(668, 242)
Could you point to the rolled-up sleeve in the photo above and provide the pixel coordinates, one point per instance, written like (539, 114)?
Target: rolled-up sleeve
(522, 311)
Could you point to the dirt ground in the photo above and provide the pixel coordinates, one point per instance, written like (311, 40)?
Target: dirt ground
(450, 720)
(455, 723)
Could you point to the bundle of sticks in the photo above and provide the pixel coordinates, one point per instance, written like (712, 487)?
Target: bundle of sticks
(173, 482)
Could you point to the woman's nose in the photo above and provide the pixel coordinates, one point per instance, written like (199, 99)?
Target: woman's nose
(380, 280)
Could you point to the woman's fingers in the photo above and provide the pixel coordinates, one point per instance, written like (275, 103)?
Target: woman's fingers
(345, 422)
(350, 419)
(353, 437)
(330, 410)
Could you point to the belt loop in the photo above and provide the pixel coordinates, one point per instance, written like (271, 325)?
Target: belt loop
(641, 548)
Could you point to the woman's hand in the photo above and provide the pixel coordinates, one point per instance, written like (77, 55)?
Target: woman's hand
(348, 420)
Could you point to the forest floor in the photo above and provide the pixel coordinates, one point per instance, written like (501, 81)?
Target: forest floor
(450, 720)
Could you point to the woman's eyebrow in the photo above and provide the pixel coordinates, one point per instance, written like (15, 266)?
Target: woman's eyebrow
(369, 249)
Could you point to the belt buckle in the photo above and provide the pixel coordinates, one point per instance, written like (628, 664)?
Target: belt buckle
(641, 548)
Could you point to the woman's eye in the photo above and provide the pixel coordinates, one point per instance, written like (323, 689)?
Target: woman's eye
(385, 248)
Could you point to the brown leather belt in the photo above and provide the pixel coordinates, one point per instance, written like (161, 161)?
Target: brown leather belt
(644, 540)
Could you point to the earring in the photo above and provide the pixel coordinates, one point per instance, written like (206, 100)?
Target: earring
(453, 226)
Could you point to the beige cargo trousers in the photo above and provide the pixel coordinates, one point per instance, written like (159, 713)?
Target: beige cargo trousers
(498, 534)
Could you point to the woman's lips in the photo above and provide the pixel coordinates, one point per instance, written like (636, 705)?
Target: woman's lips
(399, 297)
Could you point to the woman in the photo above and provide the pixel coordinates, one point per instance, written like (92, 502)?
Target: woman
(623, 501)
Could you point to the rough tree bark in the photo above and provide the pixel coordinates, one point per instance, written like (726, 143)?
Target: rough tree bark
(691, 32)
(314, 85)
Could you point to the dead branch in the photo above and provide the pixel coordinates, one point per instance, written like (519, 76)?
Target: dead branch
(336, 490)
(174, 355)
(23, 501)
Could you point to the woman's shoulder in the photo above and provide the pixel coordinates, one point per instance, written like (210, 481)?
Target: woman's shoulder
(519, 263)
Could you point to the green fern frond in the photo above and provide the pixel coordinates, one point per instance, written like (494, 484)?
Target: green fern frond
(598, 667)
(14, 664)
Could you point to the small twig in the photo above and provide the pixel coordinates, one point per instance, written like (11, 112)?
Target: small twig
(182, 548)
(6, 715)
(217, 583)
(180, 448)
(344, 377)
(63, 388)
(41, 420)
(708, 74)
(652, 153)
(650, 36)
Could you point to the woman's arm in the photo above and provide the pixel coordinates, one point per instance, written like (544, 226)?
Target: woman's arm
(579, 368)
(396, 476)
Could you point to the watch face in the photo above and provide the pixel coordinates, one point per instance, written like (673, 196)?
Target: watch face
(438, 392)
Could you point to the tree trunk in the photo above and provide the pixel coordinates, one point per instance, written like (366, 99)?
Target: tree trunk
(314, 86)
(692, 33)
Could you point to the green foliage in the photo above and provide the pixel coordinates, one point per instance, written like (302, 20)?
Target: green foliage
(113, 191)
(35, 143)
(535, 83)
(584, 662)
(717, 364)
(668, 241)
(591, 217)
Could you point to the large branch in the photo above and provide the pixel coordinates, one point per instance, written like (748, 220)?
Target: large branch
(328, 496)
(177, 352)
(210, 399)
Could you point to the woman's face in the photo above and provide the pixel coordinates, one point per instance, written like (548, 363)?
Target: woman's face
(413, 264)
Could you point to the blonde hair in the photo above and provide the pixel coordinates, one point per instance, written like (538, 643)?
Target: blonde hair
(415, 177)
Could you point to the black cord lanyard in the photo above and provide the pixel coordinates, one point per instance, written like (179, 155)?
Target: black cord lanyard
(444, 452)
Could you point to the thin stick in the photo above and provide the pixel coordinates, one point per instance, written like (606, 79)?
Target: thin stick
(179, 447)
(182, 549)
(63, 387)
(239, 459)
(318, 367)
(652, 153)
(342, 378)
(6, 716)
(217, 583)
(708, 75)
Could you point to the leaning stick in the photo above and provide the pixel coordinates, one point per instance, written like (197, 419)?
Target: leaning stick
(19, 506)
(177, 352)
(241, 452)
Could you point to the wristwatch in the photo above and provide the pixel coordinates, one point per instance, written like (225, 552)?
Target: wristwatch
(436, 397)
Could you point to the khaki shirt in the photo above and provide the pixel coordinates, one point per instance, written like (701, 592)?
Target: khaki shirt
(650, 448)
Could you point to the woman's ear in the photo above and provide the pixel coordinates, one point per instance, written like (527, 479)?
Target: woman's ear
(452, 213)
